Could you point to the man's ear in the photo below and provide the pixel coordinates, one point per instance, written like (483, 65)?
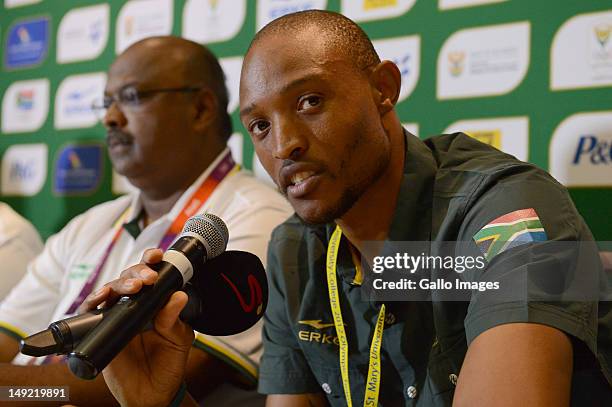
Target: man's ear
(387, 80)
(205, 108)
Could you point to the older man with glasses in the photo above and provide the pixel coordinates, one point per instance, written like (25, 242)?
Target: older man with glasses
(165, 112)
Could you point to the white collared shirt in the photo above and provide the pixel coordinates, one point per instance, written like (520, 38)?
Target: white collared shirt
(250, 209)
(19, 244)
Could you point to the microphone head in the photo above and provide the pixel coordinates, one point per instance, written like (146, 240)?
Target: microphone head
(210, 230)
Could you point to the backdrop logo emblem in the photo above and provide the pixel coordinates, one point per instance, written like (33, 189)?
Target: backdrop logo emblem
(83, 33)
(456, 60)
(21, 172)
(597, 150)
(483, 61)
(27, 43)
(74, 98)
(78, 101)
(24, 169)
(581, 52)
(142, 19)
(25, 105)
(25, 99)
(78, 169)
(213, 5)
(602, 32)
(213, 20)
(23, 35)
(580, 153)
(96, 30)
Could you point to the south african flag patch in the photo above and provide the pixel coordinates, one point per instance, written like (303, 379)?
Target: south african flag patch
(510, 230)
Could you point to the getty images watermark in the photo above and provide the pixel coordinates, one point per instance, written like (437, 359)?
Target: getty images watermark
(504, 272)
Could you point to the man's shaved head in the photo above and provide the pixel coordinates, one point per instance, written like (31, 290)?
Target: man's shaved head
(341, 34)
(316, 100)
(190, 61)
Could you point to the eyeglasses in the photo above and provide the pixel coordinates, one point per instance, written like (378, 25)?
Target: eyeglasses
(130, 97)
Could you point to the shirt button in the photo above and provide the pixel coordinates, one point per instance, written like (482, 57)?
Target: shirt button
(453, 378)
(326, 388)
(411, 392)
(389, 319)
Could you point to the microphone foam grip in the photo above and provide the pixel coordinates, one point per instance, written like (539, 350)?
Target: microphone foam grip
(232, 292)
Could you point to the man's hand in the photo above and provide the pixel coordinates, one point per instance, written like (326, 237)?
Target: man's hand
(150, 370)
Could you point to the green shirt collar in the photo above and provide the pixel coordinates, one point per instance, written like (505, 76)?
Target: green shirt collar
(133, 226)
(412, 217)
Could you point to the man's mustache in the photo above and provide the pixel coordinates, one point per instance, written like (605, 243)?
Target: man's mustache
(117, 136)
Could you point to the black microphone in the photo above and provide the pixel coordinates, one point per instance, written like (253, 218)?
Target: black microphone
(203, 237)
(62, 336)
(227, 297)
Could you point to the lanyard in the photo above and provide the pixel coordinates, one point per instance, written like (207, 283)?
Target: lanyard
(374, 365)
(225, 167)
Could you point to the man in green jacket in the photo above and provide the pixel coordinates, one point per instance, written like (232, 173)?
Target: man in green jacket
(319, 106)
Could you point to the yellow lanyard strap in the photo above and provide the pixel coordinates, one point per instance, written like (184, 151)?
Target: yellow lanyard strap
(374, 365)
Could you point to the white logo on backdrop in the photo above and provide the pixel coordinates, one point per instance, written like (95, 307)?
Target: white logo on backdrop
(236, 145)
(231, 67)
(508, 134)
(17, 3)
(268, 10)
(207, 21)
(581, 150)
(406, 53)
(449, 4)
(74, 98)
(365, 10)
(25, 106)
(484, 61)
(24, 169)
(139, 19)
(83, 33)
(581, 54)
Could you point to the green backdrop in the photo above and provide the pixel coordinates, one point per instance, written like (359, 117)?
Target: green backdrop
(533, 97)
